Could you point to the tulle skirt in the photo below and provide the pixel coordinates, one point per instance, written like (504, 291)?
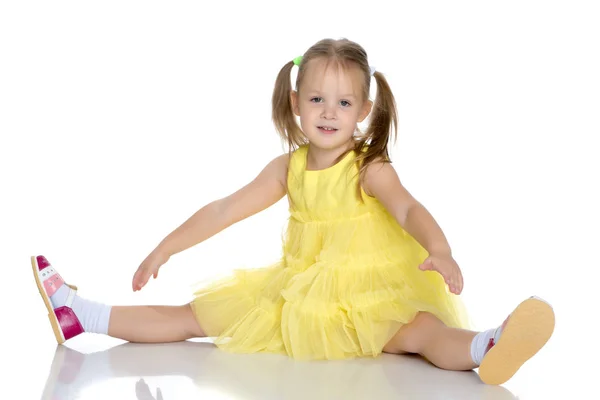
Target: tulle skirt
(343, 302)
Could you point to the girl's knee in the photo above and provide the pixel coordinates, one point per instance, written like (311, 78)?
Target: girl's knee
(412, 337)
(191, 323)
(426, 320)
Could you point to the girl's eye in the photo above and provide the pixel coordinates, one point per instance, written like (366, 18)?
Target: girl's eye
(344, 103)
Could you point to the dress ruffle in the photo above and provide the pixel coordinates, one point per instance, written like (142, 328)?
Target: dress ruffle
(346, 282)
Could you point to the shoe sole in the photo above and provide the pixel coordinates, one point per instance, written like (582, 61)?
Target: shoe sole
(528, 329)
(51, 315)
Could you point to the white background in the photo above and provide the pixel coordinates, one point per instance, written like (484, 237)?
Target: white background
(120, 119)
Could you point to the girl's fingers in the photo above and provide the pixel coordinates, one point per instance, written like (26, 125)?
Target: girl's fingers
(140, 280)
(425, 267)
(135, 282)
(453, 284)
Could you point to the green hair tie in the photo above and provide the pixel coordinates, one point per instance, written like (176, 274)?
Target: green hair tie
(297, 60)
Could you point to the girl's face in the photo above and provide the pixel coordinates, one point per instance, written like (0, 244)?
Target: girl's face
(330, 104)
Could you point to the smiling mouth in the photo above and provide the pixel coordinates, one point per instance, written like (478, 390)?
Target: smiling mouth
(326, 129)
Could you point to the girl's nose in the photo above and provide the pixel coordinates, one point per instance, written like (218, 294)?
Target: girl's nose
(329, 112)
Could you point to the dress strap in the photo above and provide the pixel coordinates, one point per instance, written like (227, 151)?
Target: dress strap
(297, 162)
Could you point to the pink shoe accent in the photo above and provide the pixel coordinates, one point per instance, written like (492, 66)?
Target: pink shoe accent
(68, 321)
(51, 279)
(491, 344)
(524, 333)
(65, 323)
(52, 284)
(42, 262)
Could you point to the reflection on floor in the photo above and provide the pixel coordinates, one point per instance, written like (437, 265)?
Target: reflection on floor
(201, 371)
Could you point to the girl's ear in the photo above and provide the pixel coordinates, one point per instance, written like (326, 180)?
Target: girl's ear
(294, 99)
(367, 106)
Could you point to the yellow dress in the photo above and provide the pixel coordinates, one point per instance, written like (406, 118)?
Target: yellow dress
(348, 278)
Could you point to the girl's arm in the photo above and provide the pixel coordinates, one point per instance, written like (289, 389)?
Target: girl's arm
(381, 181)
(265, 190)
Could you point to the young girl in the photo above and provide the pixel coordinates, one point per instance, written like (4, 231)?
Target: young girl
(365, 268)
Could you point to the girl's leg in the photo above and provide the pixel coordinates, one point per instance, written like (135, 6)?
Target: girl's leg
(445, 347)
(71, 315)
(498, 352)
(153, 324)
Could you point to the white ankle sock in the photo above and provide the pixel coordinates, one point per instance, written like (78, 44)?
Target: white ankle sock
(93, 316)
(481, 341)
(59, 298)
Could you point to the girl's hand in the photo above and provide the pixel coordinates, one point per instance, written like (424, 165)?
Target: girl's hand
(448, 268)
(149, 267)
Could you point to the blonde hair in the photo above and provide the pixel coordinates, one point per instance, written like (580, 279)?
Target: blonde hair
(370, 146)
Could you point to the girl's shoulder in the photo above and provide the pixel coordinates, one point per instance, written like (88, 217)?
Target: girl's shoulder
(297, 156)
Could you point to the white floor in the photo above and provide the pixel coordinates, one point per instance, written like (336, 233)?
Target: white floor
(199, 370)
(96, 367)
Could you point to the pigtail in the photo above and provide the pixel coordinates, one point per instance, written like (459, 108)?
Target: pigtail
(373, 145)
(383, 124)
(282, 112)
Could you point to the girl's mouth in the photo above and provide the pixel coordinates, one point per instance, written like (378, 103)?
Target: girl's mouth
(326, 130)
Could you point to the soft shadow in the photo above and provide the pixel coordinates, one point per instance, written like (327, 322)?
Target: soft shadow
(262, 376)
